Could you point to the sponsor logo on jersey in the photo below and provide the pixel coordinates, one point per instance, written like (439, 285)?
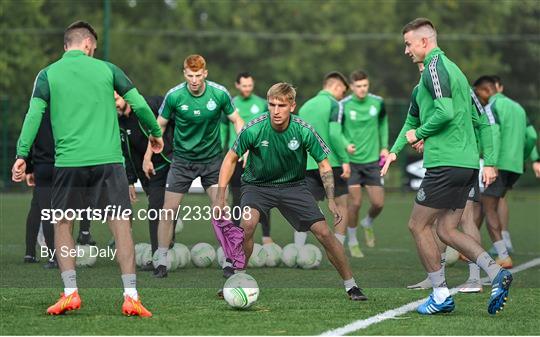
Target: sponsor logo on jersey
(265, 143)
(254, 109)
(421, 195)
(373, 111)
(184, 107)
(353, 115)
(293, 144)
(197, 112)
(211, 105)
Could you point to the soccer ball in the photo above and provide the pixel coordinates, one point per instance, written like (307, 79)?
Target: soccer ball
(183, 256)
(179, 225)
(241, 291)
(220, 257)
(145, 257)
(202, 255)
(309, 256)
(140, 249)
(172, 262)
(258, 256)
(289, 255)
(83, 258)
(452, 256)
(273, 254)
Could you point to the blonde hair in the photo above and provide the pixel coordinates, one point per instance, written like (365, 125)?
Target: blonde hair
(282, 91)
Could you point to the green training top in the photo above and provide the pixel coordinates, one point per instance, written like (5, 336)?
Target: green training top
(325, 114)
(248, 108)
(513, 123)
(365, 125)
(445, 116)
(79, 90)
(278, 158)
(197, 118)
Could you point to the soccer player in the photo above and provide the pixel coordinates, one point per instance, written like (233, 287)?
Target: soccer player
(278, 145)
(444, 122)
(134, 145)
(197, 105)
(88, 154)
(513, 139)
(366, 130)
(325, 114)
(249, 106)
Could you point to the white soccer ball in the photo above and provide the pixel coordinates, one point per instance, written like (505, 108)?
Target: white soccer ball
(289, 255)
(183, 256)
(220, 257)
(273, 254)
(171, 263)
(145, 256)
(202, 255)
(140, 249)
(309, 256)
(179, 225)
(241, 291)
(258, 257)
(84, 258)
(452, 256)
(171, 256)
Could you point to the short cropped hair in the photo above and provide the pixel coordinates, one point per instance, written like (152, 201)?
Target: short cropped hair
(335, 76)
(496, 79)
(282, 91)
(416, 24)
(485, 80)
(358, 75)
(194, 62)
(241, 75)
(78, 31)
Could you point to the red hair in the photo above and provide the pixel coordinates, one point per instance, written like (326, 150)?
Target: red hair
(194, 62)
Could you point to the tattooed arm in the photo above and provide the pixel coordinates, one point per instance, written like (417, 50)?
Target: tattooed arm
(327, 177)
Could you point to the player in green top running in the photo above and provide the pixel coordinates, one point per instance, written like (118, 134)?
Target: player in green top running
(249, 106)
(325, 114)
(197, 105)
(365, 127)
(79, 89)
(278, 145)
(513, 151)
(445, 124)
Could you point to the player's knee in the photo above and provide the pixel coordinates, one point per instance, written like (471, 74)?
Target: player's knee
(249, 225)
(377, 206)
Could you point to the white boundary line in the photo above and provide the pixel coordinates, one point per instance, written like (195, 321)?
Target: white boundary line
(364, 323)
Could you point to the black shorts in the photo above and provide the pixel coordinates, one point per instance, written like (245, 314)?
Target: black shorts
(474, 193)
(296, 203)
(182, 173)
(504, 182)
(366, 174)
(446, 187)
(316, 187)
(96, 187)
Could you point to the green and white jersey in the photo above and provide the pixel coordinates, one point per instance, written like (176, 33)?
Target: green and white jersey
(445, 115)
(365, 124)
(78, 89)
(512, 121)
(197, 120)
(278, 157)
(325, 114)
(248, 109)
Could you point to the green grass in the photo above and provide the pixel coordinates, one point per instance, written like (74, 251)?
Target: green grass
(292, 301)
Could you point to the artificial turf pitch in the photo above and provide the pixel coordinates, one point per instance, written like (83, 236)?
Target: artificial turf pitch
(291, 302)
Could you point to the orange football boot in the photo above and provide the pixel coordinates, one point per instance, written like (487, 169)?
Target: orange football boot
(133, 307)
(65, 303)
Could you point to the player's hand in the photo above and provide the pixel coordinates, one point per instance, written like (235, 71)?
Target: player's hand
(30, 179)
(489, 174)
(132, 193)
(389, 160)
(333, 208)
(351, 148)
(346, 171)
(384, 153)
(411, 136)
(156, 143)
(418, 146)
(148, 168)
(536, 169)
(18, 170)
